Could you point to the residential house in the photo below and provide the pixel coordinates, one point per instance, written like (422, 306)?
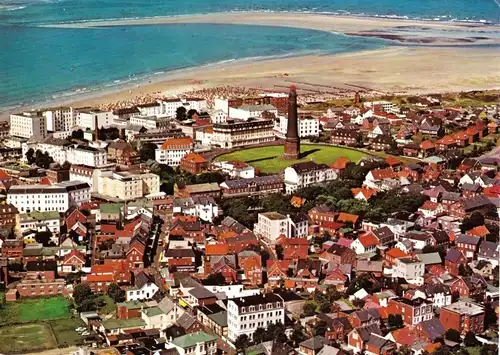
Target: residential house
(251, 263)
(199, 343)
(489, 251)
(413, 311)
(312, 346)
(338, 255)
(454, 258)
(365, 244)
(411, 269)
(463, 316)
(144, 288)
(471, 286)
(468, 245)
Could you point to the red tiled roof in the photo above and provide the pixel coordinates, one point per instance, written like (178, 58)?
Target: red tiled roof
(194, 157)
(479, 231)
(340, 163)
(368, 240)
(74, 253)
(332, 225)
(461, 136)
(347, 217)
(429, 206)
(217, 249)
(381, 174)
(172, 143)
(367, 193)
(391, 161)
(4, 175)
(426, 145)
(45, 181)
(396, 253)
(446, 140)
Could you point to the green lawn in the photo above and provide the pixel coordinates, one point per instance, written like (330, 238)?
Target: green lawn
(268, 159)
(28, 310)
(64, 331)
(24, 338)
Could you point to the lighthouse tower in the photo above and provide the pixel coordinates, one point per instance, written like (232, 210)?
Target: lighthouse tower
(292, 141)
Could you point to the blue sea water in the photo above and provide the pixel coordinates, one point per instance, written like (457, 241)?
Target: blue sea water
(38, 63)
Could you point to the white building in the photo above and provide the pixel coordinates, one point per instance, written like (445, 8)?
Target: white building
(411, 269)
(93, 118)
(173, 150)
(198, 206)
(127, 185)
(304, 174)
(58, 197)
(244, 112)
(308, 127)
(149, 122)
(246, 314)
(218, 116)
(56, 148)
(84, 155)
(170, 106)
(231, 291)
(144, 288)
(386, 106)
(40, 221)
(438, 294)
(196, 103)
(151, 109)
(199, 343)
(270, 225)
(235, 169)
(60, 119)
(239, 133)
(28, 125)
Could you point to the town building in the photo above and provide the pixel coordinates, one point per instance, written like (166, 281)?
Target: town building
(271, 225)
(127, 185)
(150, 122)
(202, 207)
(93, 119)
(246, 314)
(300, 175)
(28, 125)
(411, 269)
(235, 169)
(40, 221)
(144, 288)
(257, 186)
(247, 111)
(173, 150)
(308, 127)
(199, 343)
(193, 163)
(239, 133)
(58, 197)
(412, 311)
(463, 316)
(60, 119)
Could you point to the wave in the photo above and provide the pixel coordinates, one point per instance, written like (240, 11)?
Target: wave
(13, 8)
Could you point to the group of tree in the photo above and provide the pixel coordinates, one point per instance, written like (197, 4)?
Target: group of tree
(85, 299)
(395, 321)
(147, 151)
(273, 331)
(43, 160)
(181, 114)
(116, 293)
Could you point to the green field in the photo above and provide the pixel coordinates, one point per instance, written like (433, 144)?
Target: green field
(39, 309)
(23, 338)
(268, 159)
(64, 331)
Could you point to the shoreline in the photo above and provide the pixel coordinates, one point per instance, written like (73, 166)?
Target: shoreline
(393, 69)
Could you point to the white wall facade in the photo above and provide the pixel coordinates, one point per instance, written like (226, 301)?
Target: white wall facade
(28, 125)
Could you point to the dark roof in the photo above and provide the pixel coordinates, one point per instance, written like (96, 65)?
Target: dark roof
(441, 236)
(367, 314)
(288, 296)
(300, 217)
(316, 343)
(308, 166)
(383, 232)
(259, 181)
(476, 202)
(470, 187)
(367, 330)
(433, 328)
(179, 253)
(453, 255)
(488, 249)
(467, 239)
(186, 320)
(201, 293)
(142, 279)
(377, 341)
(46, 265)
(255, 300)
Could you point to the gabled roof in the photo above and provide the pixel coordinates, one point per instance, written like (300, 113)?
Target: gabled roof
(346, 217)
(479, 231)
(454, 255)
(142, 279)
(467, 239)
(368, 240)
(217, 249)
(316, 343)
(340, 163)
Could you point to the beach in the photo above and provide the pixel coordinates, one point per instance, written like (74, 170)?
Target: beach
(390, 70)
(403, 31)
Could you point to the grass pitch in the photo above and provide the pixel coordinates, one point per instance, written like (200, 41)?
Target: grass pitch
(268, 159)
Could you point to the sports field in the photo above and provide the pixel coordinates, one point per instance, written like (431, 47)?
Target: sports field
(268, 159)
(23, 338)
(36, 309)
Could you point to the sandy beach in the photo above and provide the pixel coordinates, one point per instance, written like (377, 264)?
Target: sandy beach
(403, 31)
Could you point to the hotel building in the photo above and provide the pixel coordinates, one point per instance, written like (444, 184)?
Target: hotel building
(28, 124)
(247, 111)
(304, 174)
(60, 119)
(88, 118)
(239, 133)
(308, 127)
(246, 314)
(173, 150)
(150, 122)
(126, 185)
(58, 197)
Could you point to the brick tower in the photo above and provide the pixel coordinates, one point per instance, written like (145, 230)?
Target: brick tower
(292, 141)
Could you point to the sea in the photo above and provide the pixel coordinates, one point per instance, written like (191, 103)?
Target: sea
(41, 64)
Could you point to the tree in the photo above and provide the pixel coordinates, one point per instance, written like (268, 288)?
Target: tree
(470, 339)
(242, 341)
(43, 238)
(30, 156)
(298, 335)
(259, 335)
(116, 293)
(309, 308)
(215, 279)
(191, 112)
(276, 331)
(82, 292)
(147, 151)
(180, 113)
(405, 350)
(66, 165)
(78, 134)
(489, 349)
(358, 303)
(279, 251)
(320, 328)
(453, 335)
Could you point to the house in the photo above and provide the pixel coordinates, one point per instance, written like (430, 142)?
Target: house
(338, 328)
(413, 311)
(213, 317)
(193, 163)
(144, 288)
(199, 343)
(468, 245)
(294, 248)
(411, 269)
(393, 254)
(463, 316)
(418, 239)
(74, 261)
(135, 254)
(472, 287)
(382, 141)
(322, 213)
(348, 218)
(300, 175)
(364, 317)
(445, 143)
(432, 329)
(189, 323)
(363, 194)
(370, 267)
(384, 235)
(431, 209)
(358, 338)
(365, 244)
(338, 255)
(479, 231)
(438, 294)
(454, 258)
(344, 136)
(489, 251)
(312, 346)
(426, 148)
(251, 263)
